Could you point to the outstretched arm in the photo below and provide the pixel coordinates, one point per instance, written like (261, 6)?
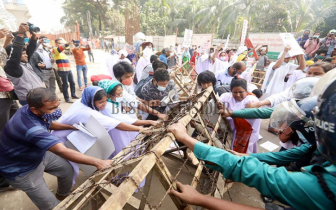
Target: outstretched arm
(190, 196)
(270, 181)
(77, 157)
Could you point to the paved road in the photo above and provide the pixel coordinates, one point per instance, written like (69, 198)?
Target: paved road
(240, 193)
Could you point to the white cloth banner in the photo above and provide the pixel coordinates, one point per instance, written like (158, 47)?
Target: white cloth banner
(187, 38)
(227, 42)
(244, 32)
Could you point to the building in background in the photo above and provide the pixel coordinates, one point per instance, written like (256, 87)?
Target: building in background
(12, 13)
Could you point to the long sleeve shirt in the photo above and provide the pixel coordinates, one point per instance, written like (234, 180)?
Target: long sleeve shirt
(79, 55)
(61, 59)
(300, 190)
(261, 113)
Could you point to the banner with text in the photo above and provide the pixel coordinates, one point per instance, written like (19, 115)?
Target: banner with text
(244, 32)
(187, 38)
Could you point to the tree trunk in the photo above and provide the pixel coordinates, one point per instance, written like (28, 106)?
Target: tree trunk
(132, 20)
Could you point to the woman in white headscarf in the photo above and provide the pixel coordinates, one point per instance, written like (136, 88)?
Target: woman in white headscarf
(144, 60)
(219, 60)
(115, 58)
(92, 103)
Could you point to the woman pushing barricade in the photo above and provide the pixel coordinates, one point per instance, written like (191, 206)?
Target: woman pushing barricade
(312, 188)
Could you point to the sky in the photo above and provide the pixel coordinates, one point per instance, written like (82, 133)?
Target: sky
(46, 14)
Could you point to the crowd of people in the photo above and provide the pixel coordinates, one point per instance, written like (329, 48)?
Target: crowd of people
(133, 95)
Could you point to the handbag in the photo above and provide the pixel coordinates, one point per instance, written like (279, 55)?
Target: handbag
(5, 85)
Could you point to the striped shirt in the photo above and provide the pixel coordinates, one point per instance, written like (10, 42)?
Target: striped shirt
(24, 142)
(61, 59)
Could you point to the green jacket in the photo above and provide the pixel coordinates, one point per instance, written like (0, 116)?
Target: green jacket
(262, 113)
(300, 190)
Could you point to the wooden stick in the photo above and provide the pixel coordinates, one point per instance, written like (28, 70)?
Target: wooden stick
(127, 188)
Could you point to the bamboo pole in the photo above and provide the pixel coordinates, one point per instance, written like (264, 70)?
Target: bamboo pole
(127, 188)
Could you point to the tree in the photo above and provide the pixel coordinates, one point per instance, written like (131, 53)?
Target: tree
(132, 20)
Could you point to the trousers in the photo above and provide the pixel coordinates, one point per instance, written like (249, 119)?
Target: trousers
(34, 185)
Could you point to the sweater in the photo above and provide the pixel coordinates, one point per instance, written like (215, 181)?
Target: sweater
(61, 59)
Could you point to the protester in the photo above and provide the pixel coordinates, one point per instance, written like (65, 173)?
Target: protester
(263, 59)
(315, 70)
(219, 60)
(93, 103)
(164, 55)
(156, 89)
(331, 60)
(115, 58)
(312, 45)
(114, 109)
(124, 73)
(144, 61)
(81, 67)
(206, 79)
(41, 152)
(282, 68)
(245, 132)
(224, 77)
(18, 69)
(148, 70)
(203, 63)
(49, 76)
(186, 55)
(64, 69)
(315, 184)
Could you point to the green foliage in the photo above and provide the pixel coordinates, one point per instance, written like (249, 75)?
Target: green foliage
(220, 17)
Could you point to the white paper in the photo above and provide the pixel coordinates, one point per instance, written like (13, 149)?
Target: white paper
(289, 40)
(82, 128)
(81, 140)
(101, 149)
(269, 146)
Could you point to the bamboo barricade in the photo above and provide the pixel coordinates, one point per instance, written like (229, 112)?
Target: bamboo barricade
(114, 187)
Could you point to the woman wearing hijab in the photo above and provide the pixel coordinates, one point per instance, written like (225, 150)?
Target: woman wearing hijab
(144, 60)
(115, 110)
(186, 55)
(92, 103)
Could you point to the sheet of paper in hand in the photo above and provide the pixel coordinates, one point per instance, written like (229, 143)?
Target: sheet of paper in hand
(289, 40)
(100, 146)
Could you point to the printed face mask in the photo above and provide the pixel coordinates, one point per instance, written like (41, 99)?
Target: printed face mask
(54, 115)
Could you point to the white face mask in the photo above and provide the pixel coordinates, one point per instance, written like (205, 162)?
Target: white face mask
(160, 88)
(147, 52)
(119, 99)
(222, 58)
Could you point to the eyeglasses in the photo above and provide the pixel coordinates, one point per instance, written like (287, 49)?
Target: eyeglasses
(118, 95)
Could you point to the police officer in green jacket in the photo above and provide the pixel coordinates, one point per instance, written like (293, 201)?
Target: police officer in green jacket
(312, 188)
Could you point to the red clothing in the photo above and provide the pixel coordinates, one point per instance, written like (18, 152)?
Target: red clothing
(79, 55)
(99, 77)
